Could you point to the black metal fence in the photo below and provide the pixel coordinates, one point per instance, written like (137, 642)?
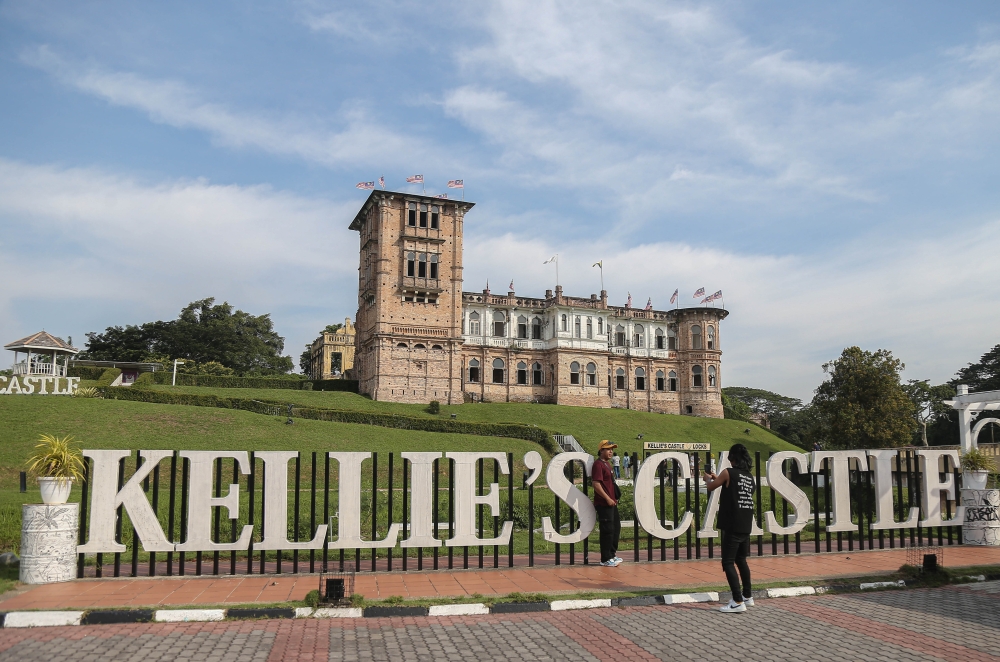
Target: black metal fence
(385, 499)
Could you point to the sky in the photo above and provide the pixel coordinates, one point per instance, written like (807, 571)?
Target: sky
(832, 167)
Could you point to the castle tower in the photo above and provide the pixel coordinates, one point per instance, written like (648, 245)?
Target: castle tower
(409, 320)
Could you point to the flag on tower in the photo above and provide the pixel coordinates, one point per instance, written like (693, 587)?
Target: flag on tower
(510, 288)
(368, 186)
(598, 264)
(628, 304)
(443, 195)
(456, 183)
(700, 292)
(415, 179)
(705, 300)
(673, 299)
(381, 181)
(649, 303)
(551, 259)
(717, 295)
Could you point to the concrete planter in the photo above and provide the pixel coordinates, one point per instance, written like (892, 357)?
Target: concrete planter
(982, 517)
(55, 491)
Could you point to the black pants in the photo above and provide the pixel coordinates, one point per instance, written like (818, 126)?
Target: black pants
(735, 548)
(611, 526)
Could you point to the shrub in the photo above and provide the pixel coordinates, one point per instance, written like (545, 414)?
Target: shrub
(350, 385)
(434, 407)
(144, 380)
(86, 392)
(976, 460)
(226, 381)
(312, 599)
(109, 375)
(85, 372)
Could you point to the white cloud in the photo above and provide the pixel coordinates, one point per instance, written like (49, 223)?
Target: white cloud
(360, 140)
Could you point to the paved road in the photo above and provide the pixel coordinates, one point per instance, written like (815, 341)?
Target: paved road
(955, 623)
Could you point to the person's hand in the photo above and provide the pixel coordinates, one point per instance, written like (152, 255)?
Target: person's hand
(709, 476)
(612, 502)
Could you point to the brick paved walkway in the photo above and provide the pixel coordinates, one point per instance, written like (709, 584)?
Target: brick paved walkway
(954, 623)
(189, 590)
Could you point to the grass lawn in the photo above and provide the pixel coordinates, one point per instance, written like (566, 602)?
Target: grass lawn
(588, 425)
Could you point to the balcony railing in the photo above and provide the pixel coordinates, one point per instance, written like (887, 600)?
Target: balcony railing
(37, 368)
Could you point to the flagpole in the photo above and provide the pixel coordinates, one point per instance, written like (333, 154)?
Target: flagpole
(602, 276)
(557, 266)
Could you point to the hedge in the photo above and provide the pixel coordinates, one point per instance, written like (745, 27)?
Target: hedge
(510, 430)
(290, 382)
(107, 376)
(90, 373)
(335, 385)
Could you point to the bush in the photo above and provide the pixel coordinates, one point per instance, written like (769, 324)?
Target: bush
(225, 381)
(434, 407)
(86, 392)
(312, 599)
(107, 376)
(508, 430)
(85, 372)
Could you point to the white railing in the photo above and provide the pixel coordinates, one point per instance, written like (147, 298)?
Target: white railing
(54, 369)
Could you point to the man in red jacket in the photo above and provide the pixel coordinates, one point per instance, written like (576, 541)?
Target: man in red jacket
(606, 504)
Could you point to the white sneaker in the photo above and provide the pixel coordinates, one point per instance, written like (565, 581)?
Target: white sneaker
(733, 608)
(748, 601)
(610, 563)
(617, 560)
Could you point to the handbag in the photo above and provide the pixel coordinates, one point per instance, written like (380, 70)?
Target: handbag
(618, 492)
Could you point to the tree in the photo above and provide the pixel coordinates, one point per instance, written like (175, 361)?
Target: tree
(982, 376)
(928, 402)
(202, 333)
(862, 404)
(766, 403)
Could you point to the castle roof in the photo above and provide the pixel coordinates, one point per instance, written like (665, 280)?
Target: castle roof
(41, 340)
(431, 199)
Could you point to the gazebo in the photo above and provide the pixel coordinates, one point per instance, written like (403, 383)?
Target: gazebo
(38, 348)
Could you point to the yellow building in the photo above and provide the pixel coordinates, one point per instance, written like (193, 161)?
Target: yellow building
(332, 354)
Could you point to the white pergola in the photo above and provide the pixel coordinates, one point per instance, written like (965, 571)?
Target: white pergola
(970, 407)
(40, 345)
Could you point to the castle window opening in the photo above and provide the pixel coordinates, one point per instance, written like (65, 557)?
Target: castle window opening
(590, 327)
(423, 216)
(672, 338)
(537, 374)
(536, 329)
(402, 344)
(672, 378)
(620, 379)
(422, 265)
(474, 324)
(600, 326)
(437, 347)
(660, 381)
(522, 327)
(711, 375)
(574, 373)
(563, 327)
(498, 370)
(435, 215)
(638, 336)
(695, 337)
(576, 327)
(659, 341)
(434, 267)
(591, 374)
(419, 345)
(411, 264)
(640, 379)
(474, 371)
(522, 373)
(619, 336)
(411, 214)
(711, 337)
(499, 325)
(696, 376)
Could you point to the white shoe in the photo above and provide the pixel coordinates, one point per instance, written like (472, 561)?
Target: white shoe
(733, 608)
(617, 560)
(610, 563)
(748, 601)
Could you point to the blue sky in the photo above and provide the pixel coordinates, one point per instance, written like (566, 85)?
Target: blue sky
(833, 169)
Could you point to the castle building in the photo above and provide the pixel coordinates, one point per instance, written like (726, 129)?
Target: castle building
(419, 337)
(332, 354)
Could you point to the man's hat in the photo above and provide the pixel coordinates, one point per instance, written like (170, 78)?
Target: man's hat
(606, 444)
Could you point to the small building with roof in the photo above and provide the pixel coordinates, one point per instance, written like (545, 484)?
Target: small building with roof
(43, 354)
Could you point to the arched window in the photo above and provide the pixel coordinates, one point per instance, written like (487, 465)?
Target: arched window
(660, 381)
(434, 267)
(537, 374)
(423, 216)
(498, 376)
(659, 341)
(411, 264)
(600, 326)
(522, 326)
(474, 371)
(436, 347)
(402, 344)
(536, 329)
(411, 214)
(671, 338)
(576, 327)
(563, 326)
(591, 374)
(619, 336)
(474, 324)
(435, 215)
(419, 345)
(672, 380)
(590, 327)
(422, 265)
(640, 379)
(522, 373)
(638, 336)
(711, 375)
(696, 376)
(574, 373)
(620, 379)
(499, 324)
(711, 338)
(695, 337)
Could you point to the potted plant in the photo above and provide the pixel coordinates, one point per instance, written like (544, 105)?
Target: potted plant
(57, 463)
(976, 467)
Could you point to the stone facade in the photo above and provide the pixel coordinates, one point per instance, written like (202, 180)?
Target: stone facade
(332, 354)
(421, 338)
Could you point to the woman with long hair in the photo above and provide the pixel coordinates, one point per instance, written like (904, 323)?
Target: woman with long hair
(736, 523)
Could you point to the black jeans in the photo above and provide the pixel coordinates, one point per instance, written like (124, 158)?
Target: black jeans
(735, 548)
(611, 526)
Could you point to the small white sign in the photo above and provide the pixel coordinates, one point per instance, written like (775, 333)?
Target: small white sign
(674, 446)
